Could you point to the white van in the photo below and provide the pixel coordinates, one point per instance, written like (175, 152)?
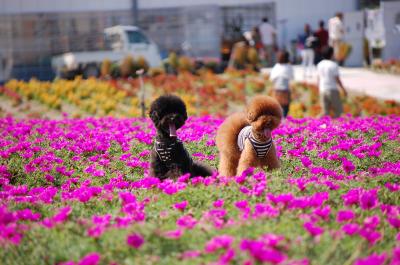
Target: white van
(122, 41)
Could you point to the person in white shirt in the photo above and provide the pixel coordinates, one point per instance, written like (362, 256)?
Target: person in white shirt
(336, 32)
(281, 75)
(268, 39)
(328, 82)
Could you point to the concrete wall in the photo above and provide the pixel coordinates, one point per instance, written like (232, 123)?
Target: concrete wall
(33, 6)
(146, 4)
(293, 14)
(391, 21)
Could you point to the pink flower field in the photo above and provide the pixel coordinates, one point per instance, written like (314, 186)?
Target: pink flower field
(77, 191)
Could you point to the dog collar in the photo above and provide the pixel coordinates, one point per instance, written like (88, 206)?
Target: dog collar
(165, 150)
(169, 152)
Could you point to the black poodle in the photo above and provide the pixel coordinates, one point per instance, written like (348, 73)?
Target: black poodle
(169, 158)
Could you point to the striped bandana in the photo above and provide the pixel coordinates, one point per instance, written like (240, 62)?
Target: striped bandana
(261, 148)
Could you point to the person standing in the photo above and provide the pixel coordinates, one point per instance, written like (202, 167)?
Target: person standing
(257, 42)
(239, 52)
(306, 44)
(328, 82)
(323, 38)
(336, 34)
(268, 38)
(281, 75)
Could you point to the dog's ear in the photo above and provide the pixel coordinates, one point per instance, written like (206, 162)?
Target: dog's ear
(185, 115)
(154, 116)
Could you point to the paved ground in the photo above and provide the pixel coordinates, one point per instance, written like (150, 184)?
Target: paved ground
(363, 81)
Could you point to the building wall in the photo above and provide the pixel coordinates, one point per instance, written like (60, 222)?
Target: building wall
(35, 36)
(291, 15)
(391, 21)
(201, 28)
(31, 31)
(148, 4)
(46, 6)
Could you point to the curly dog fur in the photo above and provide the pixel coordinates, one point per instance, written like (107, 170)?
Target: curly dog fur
(169, 158)
(263, 114)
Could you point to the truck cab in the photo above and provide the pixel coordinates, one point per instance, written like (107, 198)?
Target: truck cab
(131, 39)
(120, 42)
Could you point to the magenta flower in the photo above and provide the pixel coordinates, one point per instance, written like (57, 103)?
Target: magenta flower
(173, 234)
(323, 212)
(313, 229)
(184, 178)
(351, 197)
(227, 257)
(244, 190)
(348, 166)
(262, 253)
(306, 161)
(190, 254)
(371, 235)
(242, 205)
(392, 186)
(60, 217)
(394, 221)
(72, 164)
(135, 240)
(272, 240)
(351, 229)
(373, 259)
(280, 198)
(345, 215)
(369, 199)
(372, 222)
(395, 256)
(49, 178)
(144, 153)
(218, 203)
(90, 259)
(181, 205)
(66, 263)
(127, 197)
(218, 242)
(186, 222)
(265, 210)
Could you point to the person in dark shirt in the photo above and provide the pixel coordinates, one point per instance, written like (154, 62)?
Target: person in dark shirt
(323, 38)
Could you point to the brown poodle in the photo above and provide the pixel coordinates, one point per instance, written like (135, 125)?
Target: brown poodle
(244, 139)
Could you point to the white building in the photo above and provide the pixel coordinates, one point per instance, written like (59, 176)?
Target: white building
(31, 31)
(391, 20)
(289, 16)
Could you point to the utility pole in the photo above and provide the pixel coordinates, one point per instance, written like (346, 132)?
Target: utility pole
(140, 73)
(135, 13)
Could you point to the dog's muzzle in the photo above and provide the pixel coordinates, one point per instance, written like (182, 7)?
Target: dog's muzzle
(172, 129)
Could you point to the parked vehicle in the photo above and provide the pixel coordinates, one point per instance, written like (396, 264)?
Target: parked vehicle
(122, 41)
